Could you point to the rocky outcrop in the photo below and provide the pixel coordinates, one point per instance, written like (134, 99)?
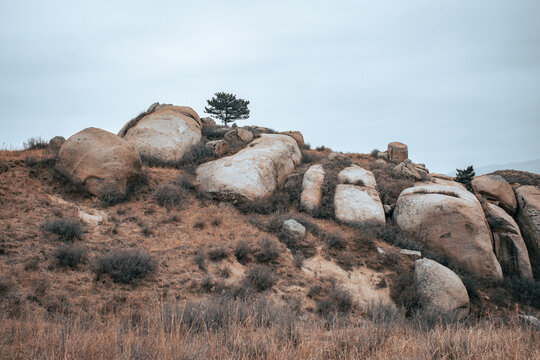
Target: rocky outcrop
(441, 292)
(164, 132)
(100, 161)
(253, 172)
(207, 121)
(311, 195)
(356, 199)
(495, 188)
(397, 152)
(296, 135)
(528, 219)
(508, 244)
(450, 222)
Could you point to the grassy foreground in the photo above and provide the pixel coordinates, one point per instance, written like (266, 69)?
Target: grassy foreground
(240, 330)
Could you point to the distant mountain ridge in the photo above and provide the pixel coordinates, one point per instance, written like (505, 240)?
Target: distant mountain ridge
(532, 166)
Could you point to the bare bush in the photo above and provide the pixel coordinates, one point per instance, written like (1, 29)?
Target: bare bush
(66, 229)
(125, 266)
(70, 256)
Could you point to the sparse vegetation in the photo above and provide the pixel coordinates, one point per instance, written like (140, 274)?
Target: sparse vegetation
(267, 251)
(70, 256)
(242, 250)
(169, 196)
(390, 183)
(66, 229)
(34, 143)
(125, 266)
(260, 278)
(218, 252)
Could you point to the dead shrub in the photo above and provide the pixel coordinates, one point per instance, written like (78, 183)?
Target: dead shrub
(66, 229)
(267, 251)
(169, 196)
(242, 250)
(404, 292)
(34, 143)
(125, 266)
(218, 253)
(331, 169)
(260, 278)
(264, 205)
(200, 259)
(70, 256)
(311, 157)
(389, 182)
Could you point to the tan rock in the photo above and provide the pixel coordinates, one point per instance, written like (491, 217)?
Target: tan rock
(528, 219)
(239, 134)
(450, 221)
(312, 187)
(296, 135)
(55, 144)
(357, 175)
(218, 147)
(358, 204)
(408, 169)
(207, 121)
(508, 244)
(397, 152)
(495, 188)
(253, 172)
(441, 291)
(441, 176)
(99, 160)
(165, 134)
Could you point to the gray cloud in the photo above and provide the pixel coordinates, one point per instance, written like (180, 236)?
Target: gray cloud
(458, 81)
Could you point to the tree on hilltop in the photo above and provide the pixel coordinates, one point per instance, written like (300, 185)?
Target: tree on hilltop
(227, 107)
(465, 177)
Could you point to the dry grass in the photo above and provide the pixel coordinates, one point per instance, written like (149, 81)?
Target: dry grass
(240, 330)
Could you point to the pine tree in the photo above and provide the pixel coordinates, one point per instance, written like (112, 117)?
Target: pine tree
(465, 177)
(227, 107)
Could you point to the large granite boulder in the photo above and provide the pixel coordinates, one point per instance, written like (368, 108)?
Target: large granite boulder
(397, 152)
(407, 168)
(356, 199)
(253, 172)
(311, 195)
(496, 188)
(357, 175)
(164, 132)
(100, 161)
(358, 204)
(450, 222)
(528, 219)
(441, 292)
(508, 244)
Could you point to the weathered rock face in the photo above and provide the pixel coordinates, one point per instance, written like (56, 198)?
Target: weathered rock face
(207, 121)
(408, 168)
(296, 135)
(358, 204)
(450, 221)
(311, 196)
(166, 133)
(508, 244)
(55, 144)
(254, 171)
(99, 160)
(528, 219)
(397, 152)
(440, 290)
(495, 188)
(239, 134)
(357, 175)
(217, 147)
(356, 199)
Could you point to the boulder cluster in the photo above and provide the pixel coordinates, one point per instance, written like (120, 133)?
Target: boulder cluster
(490, 235)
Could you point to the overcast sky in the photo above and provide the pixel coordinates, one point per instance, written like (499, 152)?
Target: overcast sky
(457, 81)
